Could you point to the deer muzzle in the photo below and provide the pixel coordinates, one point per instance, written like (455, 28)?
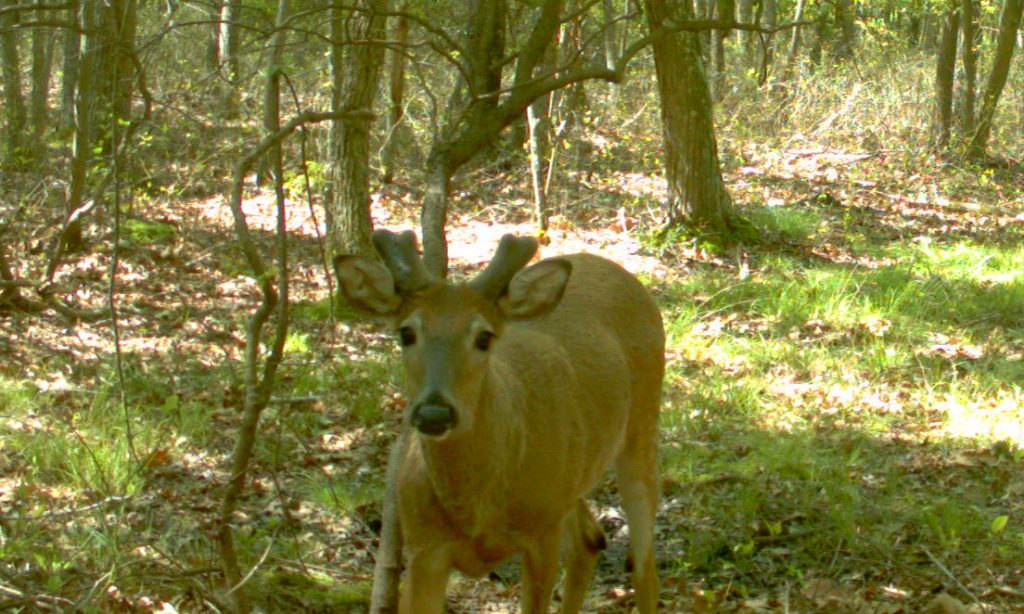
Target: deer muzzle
(433, 418)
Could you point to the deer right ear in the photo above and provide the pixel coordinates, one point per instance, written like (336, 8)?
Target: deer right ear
(367, 285)
(535, 290)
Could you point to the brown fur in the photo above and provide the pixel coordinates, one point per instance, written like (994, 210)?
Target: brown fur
(557, 400)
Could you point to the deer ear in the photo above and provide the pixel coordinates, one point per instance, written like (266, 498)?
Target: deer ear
(535, 290)
(367, 285)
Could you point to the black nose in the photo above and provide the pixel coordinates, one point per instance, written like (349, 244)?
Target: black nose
(433, 419)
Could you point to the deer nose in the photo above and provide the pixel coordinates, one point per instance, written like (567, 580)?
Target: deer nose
(433, 418)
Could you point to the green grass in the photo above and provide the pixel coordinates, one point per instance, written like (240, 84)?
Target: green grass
(824, 417)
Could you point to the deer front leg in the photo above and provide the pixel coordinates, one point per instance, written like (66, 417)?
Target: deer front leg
(540, 570)
(426, 579)
(584, 541)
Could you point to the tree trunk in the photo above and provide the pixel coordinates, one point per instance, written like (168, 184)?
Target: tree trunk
(794, 43)
(212, 52)
(397, 136)
(845, 18)
(611, 46)
(969, 89)
(435, 214)
(945, 66)
(725, 10)
(351, 207)
(84, 117)
(538, 123)
(115, 72)
(69, 72)
(106, 82)
(1009, 24)
(15, 118)
(42, 55)
(746, 37)
(697, 195)
(769, 19)
(229, 52)
(469, 124)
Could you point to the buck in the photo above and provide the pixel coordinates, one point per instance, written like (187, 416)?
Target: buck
(524, 386)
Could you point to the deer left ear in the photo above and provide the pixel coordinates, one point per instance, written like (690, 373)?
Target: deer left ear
(367, 285)
(536, 290)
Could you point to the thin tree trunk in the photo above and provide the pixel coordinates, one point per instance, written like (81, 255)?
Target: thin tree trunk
(83, 120)
(15, 118)
(945, 65)
(69, 72)
(212, 54)
(538, 124)
(229, 52)
(769, 19)
(845, 18)
(435, 214)
(969, 88)
(725, 10)
(746, 37)
(42, 55)
(351, 207)
(794, 43)
(1009, 24)
(396, 135)
(257, 389)
(611, 48)
(388, 566)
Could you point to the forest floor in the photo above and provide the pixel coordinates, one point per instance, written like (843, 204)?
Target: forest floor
(843, 427)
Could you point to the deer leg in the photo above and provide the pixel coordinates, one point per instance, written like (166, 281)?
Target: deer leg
(637, 476)
(584, 542)
(540, 570)
(426, 579)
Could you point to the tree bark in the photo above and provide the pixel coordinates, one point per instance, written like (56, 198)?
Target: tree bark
(794, 43)
(945, 65)
(611, 44)
(397, 135)
(42, 55)
(538, 124)
(1009, 24)
(697, 195)
(69, 71)
(725, 10)
(467, 126)
(350, 233)
(229, 56)
(845, 19)
(15, 118)
(968, 91)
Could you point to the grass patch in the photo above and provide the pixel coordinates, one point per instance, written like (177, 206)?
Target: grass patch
(834, 417)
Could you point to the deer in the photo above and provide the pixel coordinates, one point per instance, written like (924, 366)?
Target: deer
(523, 387)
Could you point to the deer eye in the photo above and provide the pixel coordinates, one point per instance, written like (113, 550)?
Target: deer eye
(406, 336)
(483, 340)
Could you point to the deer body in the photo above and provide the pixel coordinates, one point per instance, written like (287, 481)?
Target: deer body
(524, 396)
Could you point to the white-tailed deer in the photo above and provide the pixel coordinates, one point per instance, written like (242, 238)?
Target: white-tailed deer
(524, 385)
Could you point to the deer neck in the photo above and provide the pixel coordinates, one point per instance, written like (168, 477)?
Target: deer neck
(470, 469)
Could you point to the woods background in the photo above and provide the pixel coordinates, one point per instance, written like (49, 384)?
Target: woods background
(824, 195)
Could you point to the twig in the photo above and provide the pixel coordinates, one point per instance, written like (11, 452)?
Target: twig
(115, 258)
(955, 580)
(71, 512)
(248, 576)
(387, 569)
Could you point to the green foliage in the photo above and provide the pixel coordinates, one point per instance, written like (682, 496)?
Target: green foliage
(144, 232)
(313, 592)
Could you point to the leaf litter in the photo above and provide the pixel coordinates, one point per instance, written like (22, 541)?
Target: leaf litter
(183, 301)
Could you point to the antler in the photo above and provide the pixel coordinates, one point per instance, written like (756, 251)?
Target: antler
(401, 256)
(512, 255)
